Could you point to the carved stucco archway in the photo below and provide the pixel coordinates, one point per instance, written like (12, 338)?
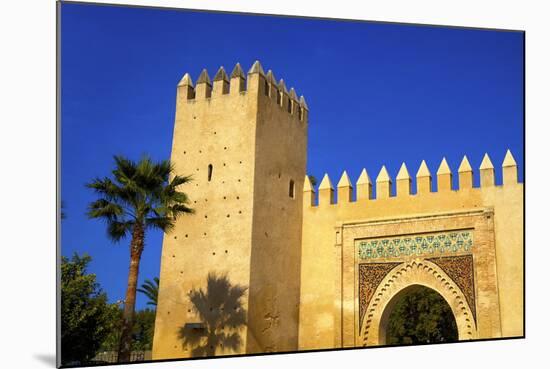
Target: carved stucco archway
(416, 272)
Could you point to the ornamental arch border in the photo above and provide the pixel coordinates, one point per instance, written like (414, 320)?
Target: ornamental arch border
(415, 272)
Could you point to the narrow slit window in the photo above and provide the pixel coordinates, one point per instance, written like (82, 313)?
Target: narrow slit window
(279, 98)
(291, 189)
(210, 172)
(266, 88)
(301, 113)
(290, 106)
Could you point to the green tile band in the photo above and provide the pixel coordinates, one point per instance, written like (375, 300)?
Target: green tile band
(425, 244)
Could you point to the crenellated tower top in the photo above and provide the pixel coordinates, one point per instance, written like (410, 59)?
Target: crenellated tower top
(255, 81)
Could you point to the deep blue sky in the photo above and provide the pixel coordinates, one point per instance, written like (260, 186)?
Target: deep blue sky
(378, 94)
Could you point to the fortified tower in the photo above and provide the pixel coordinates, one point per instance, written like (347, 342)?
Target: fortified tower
(243, 139)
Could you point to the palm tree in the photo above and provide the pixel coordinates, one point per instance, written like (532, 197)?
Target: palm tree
(141, 196)
(151, 290)
(221, 313)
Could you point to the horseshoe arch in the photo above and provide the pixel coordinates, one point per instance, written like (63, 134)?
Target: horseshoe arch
(399, 280)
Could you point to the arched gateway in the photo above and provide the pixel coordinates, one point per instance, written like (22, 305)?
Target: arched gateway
(418, 314)
(362, 253)
(450, 253)
(397, 282)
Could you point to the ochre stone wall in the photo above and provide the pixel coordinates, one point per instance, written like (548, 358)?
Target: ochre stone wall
(330, 309)
(314, 275)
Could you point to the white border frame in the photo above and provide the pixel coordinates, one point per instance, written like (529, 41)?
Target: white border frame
(27, 148)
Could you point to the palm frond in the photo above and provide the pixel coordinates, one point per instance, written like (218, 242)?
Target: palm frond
(176, 197)
(180, 180)
(150, 289)
(147, 289)
(170, 193)
(164, 224)
(176, 210)
(149, 175)
(104, 187)
(103, 208)
(125, 168)
(118, 230)
(164, 169)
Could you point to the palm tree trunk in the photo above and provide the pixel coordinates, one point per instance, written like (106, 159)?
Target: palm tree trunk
(136, 248)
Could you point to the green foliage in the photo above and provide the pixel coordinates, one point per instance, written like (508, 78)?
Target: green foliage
(139, 193)
(221, 313)
(112, 340)
(144, 328)
(86, 316)
(151, 290)
(142, 331)
(421, 316)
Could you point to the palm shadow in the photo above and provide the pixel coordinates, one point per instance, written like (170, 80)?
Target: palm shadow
(221, 313)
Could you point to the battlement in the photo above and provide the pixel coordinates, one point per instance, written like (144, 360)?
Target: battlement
(256, 81)
(403, 182)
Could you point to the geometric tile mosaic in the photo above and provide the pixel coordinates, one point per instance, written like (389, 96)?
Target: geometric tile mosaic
(461, 270)
(427, 244)
(370, 276)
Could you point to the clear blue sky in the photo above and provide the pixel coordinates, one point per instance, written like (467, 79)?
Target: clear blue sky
(386, 93)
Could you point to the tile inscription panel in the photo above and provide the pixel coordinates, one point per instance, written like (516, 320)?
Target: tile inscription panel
(450, 250)
(431, 244)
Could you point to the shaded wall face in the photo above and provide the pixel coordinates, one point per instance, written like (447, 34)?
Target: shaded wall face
(219, 132)
(276, 235)
(332, 233)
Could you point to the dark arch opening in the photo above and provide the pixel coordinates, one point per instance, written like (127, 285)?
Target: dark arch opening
(420, 315)
(210, 172)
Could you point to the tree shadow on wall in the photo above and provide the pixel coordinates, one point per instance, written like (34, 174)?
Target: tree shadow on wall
(221, 313)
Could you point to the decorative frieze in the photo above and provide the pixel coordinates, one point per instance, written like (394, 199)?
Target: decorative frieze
(416, 245)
